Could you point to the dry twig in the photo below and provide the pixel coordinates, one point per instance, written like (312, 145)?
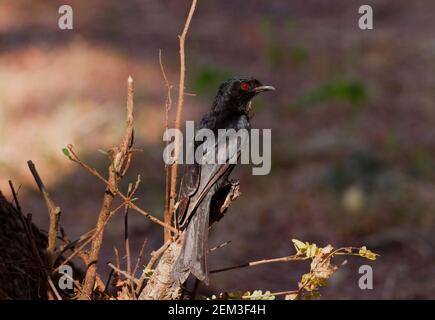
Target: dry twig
(180, 105)
(168, 105)
(120, 162)
(53, 211)
(259, 262)
(132, 205)
(139, 258)
(155, 255)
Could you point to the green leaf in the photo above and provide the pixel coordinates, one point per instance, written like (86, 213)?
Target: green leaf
(300, 246)
(66, 153)
(148, 272)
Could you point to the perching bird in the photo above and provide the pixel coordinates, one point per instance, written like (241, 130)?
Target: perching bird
(201, 181)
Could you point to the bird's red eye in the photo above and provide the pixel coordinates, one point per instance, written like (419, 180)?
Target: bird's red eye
(245, 86)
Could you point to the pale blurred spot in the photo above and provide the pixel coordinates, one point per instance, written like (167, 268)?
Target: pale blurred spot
(353, 199)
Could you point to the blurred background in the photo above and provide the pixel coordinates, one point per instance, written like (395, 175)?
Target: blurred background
(353, 126)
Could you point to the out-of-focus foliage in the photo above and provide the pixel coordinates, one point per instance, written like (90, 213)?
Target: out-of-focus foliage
(352, 91)
(208, 78)
(280, 52)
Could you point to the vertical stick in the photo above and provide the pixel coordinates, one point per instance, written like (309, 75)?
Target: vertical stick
(53, 212)
(121, 156)
(168, 105)
(180, 105)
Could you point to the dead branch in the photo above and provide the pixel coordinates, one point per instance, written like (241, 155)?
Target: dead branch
(121, 158)
(72, 245)
(53, 288)
(160, 286)
(83, 255)
(126, 238)
(168, 105)
(126, 274)
(53, 212)
(224, 244)
(87, 240)
(132, 205)
(139, 258)
(180, 105)
(259, 262)
(155, 255)
(15, 195)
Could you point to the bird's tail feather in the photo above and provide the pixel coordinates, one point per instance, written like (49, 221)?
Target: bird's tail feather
(193, 255)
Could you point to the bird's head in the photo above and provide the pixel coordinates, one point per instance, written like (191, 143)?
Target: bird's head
(236, 93)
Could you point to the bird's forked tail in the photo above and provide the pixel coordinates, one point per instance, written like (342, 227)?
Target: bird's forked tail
(194, 251)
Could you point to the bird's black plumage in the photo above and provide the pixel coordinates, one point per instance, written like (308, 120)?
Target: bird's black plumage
(201, 181)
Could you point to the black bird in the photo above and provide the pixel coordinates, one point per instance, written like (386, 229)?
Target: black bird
(201, 181)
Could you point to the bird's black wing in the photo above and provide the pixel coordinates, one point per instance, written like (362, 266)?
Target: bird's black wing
(189, 186)
(199, 179)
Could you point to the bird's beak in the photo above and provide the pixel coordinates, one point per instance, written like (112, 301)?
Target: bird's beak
(263, 88)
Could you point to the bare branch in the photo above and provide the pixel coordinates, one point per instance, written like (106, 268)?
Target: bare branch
(53, 288)
(139, 258)
(155, 255)
(124, 273)
(180, 104)
(224, 244)
(95, 173)
(168, 106)
(53, 212)
(14, 194)
(121, 159)
(160, 286)
(259, 262)
(79, 250)
(126, 239)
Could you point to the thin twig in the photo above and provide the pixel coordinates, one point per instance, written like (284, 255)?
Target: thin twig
(117, 261)
(126, 239)
(124, 273)
(168, 105)
(95, 173)
(220, 246)
(139, 258)
(83, 255)
(108, 280)
(259, 262)
(180, 104)
(53, 288)
(14, 194)
(96, 233)
(71, 245)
